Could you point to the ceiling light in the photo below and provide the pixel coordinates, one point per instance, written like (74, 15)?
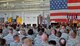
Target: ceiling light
(4, 5)
(7, 3)
(23, 2)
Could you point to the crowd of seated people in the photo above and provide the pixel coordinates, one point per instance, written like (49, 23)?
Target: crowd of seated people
(53, 35)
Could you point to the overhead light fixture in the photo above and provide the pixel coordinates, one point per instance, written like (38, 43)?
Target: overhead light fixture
(7, 3)
(4, 5)
(23, 2)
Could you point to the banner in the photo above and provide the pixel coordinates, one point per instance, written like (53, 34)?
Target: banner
(10, 20)
(19, 20)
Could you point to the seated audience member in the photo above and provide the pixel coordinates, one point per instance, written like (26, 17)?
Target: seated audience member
(31, 34)
(21, 35)
(9, 37)
(53, 35)
(38, 28)
(16, 41)
(72, 41)
(65, 35)
(27, 42)
(35, 29)
(38, 36)
(63, 29)
(67, 31)
(48, 31)
(2, 42)
(58, 28)
(52, 43)
(37, 39)
(14, 31)
(42, 29)
(5, 30)
(23, 31)
(24, 25)
(62, 42)
(42, 40)
(68, 27)
(58, 34)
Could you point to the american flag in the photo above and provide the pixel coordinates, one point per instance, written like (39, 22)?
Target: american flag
(60, 10)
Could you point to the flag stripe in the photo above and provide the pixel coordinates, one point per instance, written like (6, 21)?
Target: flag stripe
(66, 11)
(58, 14)
(74, 4)
(59, 20)
(62, 17)
(74, 7)
(58, 17)
(73, 1)
(64, 14)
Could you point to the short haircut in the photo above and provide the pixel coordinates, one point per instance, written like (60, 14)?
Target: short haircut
(15, 36)
(34, 24)
(40, 33)
(75, 32)
(49, 27)
(30, 32)
(59, 34)
(62, 39)
(2, 42)
(52, 42)
(11, 29)
(46, 34)
(1, 30)
(42, 29)
(24, 38)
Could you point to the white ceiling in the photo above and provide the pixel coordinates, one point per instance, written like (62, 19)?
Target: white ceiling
(24, 5)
